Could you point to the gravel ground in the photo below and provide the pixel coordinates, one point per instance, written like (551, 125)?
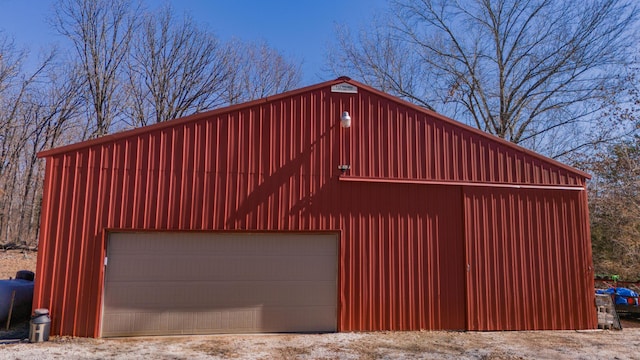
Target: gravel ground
(592, 344)
(595, 344)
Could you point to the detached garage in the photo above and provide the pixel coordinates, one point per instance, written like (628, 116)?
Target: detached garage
(273, 216)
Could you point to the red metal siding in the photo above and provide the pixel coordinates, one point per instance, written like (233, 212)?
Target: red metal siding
(529, 260)
(401, 253)
(402, 142)
(271, 165)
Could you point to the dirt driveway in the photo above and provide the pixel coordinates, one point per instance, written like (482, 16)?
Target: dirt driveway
(595, 344)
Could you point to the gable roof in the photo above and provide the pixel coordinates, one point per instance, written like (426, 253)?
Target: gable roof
(462, 130)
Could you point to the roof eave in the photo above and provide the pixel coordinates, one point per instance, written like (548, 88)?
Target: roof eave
(342, 79)
(195, 117)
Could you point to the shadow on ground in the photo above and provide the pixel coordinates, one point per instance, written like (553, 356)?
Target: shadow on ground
(18, 332)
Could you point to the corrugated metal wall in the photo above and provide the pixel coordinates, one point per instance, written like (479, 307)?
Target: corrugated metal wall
(529, 260)
(271, 165)
(409, 143)
(401, 253)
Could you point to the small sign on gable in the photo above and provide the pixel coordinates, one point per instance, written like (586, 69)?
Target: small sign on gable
(344, 88)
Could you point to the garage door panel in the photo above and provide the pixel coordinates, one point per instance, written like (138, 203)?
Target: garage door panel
(218, 294)
(233, 320)
(213, 285)
(287, 317)
(177, 323)
(131, 268)
(236, 244)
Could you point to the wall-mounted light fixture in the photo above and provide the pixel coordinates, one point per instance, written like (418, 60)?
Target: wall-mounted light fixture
(345, 119)
(343, 168)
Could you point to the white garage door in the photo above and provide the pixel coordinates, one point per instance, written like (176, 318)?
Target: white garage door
(169, 283)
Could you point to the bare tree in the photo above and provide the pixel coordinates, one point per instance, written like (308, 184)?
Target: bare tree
(10, 140)
(615, 210)
(101, 32)
(535, 72)
(25, 123)
(176, 68)
(257, 70)
(51, 112)
(614, 191)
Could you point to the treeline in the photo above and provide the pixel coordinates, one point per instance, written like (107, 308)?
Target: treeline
(614, 206)
(124, 66)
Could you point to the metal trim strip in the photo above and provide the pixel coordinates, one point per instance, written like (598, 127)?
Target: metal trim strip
(457, 183)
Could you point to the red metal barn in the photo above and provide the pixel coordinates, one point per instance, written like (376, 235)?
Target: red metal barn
(240, 220)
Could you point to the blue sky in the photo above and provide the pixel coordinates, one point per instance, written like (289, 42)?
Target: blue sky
(300, 29)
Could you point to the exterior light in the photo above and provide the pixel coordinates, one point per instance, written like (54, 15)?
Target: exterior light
(345, 120)
(344, 168)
